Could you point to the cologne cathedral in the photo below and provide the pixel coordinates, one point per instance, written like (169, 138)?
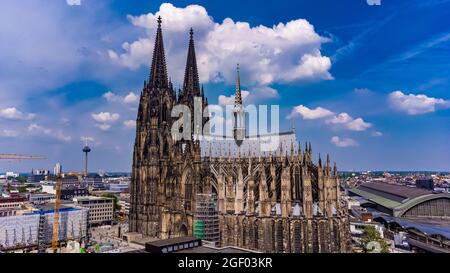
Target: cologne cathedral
(278, 201)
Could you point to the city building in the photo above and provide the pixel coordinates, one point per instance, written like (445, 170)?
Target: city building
(37, 176)
(101, 209)
(94, 183)
(11, 174)
(421, 216)
(425, 183)
(277, 201)
(188, 245)
(118, 187)
(68, 190)
(41, 198)
(124, 203)
(357, 228)
(28, 229)
(12, 202)
(402, 201)
(57, 170)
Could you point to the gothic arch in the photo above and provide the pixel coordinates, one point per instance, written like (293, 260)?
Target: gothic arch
(184, 230)
(245, 232)
(187, 189)
(297, 234)
(165, 110)
(256, 234)
(212, 182)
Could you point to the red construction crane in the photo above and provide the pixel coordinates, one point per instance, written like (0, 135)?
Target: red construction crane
(20, 157)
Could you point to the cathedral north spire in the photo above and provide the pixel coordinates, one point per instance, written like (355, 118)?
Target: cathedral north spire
(158, 72)
(191, 84)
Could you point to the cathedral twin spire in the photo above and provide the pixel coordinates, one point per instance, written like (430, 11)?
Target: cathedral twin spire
(158, 78)
(191, 84)
(158, 72)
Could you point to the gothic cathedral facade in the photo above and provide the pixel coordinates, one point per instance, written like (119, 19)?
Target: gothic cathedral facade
(277, 202)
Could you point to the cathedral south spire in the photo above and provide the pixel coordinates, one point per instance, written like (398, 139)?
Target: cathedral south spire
(158, 71)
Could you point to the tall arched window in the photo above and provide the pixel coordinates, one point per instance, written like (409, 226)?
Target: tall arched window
(297, 237)
(279, 242)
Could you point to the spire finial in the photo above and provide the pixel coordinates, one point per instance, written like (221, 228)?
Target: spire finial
(159, 21)
(191, 33)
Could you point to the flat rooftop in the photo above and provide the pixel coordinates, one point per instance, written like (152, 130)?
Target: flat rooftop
(208, 249)
(172, 241)
(91, 198)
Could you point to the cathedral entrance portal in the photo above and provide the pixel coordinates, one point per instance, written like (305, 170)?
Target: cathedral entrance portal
(183, 230)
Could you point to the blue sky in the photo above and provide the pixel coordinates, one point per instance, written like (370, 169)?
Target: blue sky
(367, 84)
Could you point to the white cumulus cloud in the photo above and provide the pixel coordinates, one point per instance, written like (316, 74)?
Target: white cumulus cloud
(130, 98)
(73, 2)
(348, 122)
(358, 125)
(344, 142)
(87, 139)
(343, 119)
(416, 104)
(106, 117)
(377, 134)
(307, 113)
(39, 130)
(129, 124)
(8, 133)
(13, 113)
(285, 52)
(103, 126)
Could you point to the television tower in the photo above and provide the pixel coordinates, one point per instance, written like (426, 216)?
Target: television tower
(86, 150)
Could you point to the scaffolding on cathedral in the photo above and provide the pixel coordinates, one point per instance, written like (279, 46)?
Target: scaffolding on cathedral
(206, 218)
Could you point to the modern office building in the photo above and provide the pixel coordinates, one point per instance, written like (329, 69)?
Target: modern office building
(118, 187)
(37, 176)
(68, 191)
(57, 170)
(425, 183)
(41, 198)
(101, 209)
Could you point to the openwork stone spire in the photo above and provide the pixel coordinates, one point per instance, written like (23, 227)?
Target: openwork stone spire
(238, 96)
(158, 72)
(191, 84)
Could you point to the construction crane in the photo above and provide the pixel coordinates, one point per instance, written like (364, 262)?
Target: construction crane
(55, 234)
(20, 157)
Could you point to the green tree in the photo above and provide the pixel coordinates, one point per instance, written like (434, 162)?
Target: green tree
(115, 200)
(371, 238)
(22, 179)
